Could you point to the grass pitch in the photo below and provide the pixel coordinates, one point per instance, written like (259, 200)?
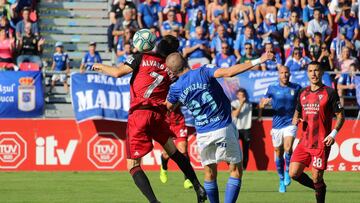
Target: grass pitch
(111, 187)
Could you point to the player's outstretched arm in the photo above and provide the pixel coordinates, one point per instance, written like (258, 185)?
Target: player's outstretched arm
(239, 68)
(113, 71)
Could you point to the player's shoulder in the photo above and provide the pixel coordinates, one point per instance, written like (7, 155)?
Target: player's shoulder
(295, 86)
(329, 90)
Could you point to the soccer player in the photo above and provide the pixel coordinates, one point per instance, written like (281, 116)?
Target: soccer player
(217, 137)
(149, 86)
(176, 121)
(316, 106)
(282, 97)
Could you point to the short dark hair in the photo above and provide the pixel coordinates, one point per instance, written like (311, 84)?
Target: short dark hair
(243, 90)
(315, 63)
(317, 34)
(167, 45)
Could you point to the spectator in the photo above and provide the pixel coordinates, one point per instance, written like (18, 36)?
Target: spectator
(4, 23)
(197, 49)
(241, 16)
(30, 47)
(91, 57)
(218, 21)
(225, 59)
(309, 10)
(297, 62)
(125, 22)
(324, 58)
(121, 58)
(192, 8)
(346, 60)
(284, 13)
(294, 28)
(318, 25)
(196, 22)
(241, 115)
(220, 37)
(346, 83)
(338, 44)
(20, 26)
(7, 47)
(61, 62)
(182, 41)
(270, 64)
(216, 6)
(267, 30)
(249, 55)
(6, 10)
(150, 14)
(126, 38)
(247, 37)
(315, 46)
(295, 44)
(349, 24)
(167, 26)
(116, 16)
(265, 9)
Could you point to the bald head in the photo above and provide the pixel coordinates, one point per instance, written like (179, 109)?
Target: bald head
(176, 63)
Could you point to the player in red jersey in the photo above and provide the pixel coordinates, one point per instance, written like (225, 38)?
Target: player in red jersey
(316, 106)
(149, 86)
(176, 121)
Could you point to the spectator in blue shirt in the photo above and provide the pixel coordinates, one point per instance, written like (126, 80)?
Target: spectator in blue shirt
(297, 62)
(284, 13)
(294, 28)
(348, 23)
(247, 37)
(182, 41)
(271, 65)
(166, 28)
(268, 30)
(192, 7)
(125, 54)
(221, 36)
(199, 20)
(91, 57)
(308, 12)
(20, 26)
(346, 83)
(224, 59)
(218, 21)
(150, 14)
(197, 49)
(60, 63)
(241, 16)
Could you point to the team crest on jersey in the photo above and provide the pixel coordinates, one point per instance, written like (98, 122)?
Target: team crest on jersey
(292, 92)
(320, 96)
(26, 92)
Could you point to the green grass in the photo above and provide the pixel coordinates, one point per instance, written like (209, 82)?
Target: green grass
(111, 187)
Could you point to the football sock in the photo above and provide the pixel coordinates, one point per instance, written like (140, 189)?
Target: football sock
(185, 166)
(287, 161)
(320, 191)
(212, 191)
(164, 163)
(305, 180)
(187, 157)
(279, 161)
(142, 182)
(232, 190)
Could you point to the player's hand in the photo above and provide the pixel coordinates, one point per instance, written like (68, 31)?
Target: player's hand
(97, 67)
(267, 56)
(328, 141)
(296, 121)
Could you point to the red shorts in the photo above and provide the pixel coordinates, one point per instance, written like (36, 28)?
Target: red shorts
(180, 131)
(316, 157)
(143, 126)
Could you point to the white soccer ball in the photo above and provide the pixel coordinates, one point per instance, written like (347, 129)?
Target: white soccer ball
(144, 40)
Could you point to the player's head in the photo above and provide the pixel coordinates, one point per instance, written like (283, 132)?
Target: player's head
(167, 45)
(176, 63)
(315, 72)
(284, 75)
(242, 94)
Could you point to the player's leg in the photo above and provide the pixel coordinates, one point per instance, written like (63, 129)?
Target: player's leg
(234, 182)
(181, 145)
(210, 183)
(277, 139)
(140, 179)
(245, 137)
(289, 135)
(319, 184)
(299, 160)
(63, 79)
(164, 166)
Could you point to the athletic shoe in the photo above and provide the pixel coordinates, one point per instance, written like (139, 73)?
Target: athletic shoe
(201, 194)
(187, 184)
(163, 175)
(287, 180)
(282, 187)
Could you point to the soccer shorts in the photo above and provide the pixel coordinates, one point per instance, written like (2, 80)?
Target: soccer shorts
(279, 134)
(180, 131)
(316, 157)
(219, 145)
(143, 126)
(61, 77)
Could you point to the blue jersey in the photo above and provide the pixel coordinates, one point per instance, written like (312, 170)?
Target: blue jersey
(61, 60)
(89, 60)
(202, 94)
(283, 101)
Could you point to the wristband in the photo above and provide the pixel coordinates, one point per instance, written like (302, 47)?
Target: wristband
(333, 133)
(255, 62)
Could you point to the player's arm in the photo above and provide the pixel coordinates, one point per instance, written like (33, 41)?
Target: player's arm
(170, 106)
(298, 109)
(116, 72)
(239, 68)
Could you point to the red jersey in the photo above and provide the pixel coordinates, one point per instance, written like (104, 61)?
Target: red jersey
(150, 81)
(317, 109)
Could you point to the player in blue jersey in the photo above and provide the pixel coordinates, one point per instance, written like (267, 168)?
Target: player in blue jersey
(91, 57)
(217, 136)
(282, 97)
(60, 63)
